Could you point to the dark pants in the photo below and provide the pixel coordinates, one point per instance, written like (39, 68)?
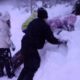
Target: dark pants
(5, 61)
(31, 64)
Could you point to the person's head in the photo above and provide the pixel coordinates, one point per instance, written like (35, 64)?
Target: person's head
(42, 13)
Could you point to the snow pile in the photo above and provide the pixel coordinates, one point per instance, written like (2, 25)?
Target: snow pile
(59, 10)
(58, 62)
(60, 67)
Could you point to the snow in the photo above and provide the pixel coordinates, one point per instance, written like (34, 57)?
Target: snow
(57, 62)
(59, 10)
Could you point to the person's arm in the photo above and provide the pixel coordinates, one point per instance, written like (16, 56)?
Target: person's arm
(49, 35)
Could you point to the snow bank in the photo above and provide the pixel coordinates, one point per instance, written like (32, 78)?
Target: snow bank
(59, 10)
(58, 63)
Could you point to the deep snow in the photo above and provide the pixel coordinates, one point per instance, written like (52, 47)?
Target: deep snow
(57, 63)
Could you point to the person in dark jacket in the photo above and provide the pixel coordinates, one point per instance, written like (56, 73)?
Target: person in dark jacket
(37, 32)
(76, 8)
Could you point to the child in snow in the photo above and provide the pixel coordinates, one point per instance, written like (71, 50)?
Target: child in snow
(37, 32)
(5, 44)
(58, 24)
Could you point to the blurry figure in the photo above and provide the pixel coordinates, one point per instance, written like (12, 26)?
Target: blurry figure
(58, 24)
(37, 32)
(76, 9)
(55, 24)
(76, 12)
(5, 45)
(69, 21)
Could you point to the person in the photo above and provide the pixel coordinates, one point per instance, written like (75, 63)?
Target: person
(76, 8)
(37, 32)
(5, 44)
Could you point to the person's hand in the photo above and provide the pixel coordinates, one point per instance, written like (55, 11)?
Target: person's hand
(64, 42)
(13, 49)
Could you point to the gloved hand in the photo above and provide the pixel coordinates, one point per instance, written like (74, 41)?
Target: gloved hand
(64, 42)
(13, 48)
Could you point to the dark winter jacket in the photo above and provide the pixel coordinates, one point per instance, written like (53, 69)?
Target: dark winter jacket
(36, 34)
(76, 9)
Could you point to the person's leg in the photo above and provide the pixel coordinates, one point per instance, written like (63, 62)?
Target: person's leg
(31, 64)
(22, 74)
(1, 63)
(27, 73)
(8, 64)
